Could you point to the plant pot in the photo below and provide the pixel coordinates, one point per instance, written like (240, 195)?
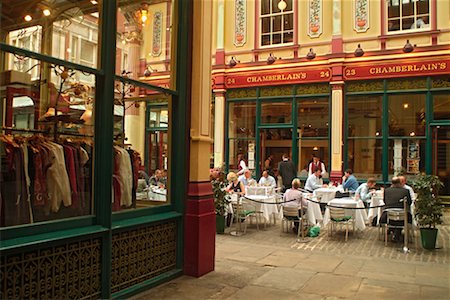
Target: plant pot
(361, 23)
(220, 224)
(428, 237)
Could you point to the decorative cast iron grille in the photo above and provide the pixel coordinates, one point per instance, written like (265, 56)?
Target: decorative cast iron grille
(69, 271)
(276, 91)
(407, 84)
(313, 89)
(364, 86)
(241, 93)
(440, 82)
(141, 254)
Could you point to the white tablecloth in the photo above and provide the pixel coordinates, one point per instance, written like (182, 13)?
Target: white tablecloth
(359, 215)
(266, 209)
(157, 194)
(326, 193)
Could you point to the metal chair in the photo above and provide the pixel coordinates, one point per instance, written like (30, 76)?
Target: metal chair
(337, 216)
(397, 215)
(292, 214)
(242, 212)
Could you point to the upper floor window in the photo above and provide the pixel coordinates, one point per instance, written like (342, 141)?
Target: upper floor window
(277, 22)
(408, 15)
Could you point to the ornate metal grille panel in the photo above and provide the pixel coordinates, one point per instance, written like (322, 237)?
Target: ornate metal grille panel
(142, 254)
(69, 271)
(276, 91)
(311, 89)
(365, 86)
(241, 93)
(440, 82)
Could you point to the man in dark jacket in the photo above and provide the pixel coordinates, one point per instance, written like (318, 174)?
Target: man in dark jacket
(287, 171)
(392, 199)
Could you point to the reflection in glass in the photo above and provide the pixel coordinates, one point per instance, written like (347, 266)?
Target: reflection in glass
(276, 112)
(144, 41)
(441, 108)
(407, 115)
(141, 147)
(364, 116)
(364, 157)
(406, 156)
(242, 117)
(313, 117)
(70, 27)
(47, 144)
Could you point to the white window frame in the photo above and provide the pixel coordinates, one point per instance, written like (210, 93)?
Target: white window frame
(400, 18)
(271, 32)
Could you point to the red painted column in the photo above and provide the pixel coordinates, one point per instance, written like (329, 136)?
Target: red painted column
(199, 230)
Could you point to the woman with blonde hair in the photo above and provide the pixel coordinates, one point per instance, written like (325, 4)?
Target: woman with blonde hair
(235, 185)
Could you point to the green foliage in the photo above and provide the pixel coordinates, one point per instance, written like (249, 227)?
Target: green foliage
(428, 206)
(221, 196)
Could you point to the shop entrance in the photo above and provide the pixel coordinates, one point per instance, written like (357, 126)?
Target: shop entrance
(441, 157)
(276, 142)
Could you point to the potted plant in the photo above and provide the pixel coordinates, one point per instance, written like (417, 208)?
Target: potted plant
(221, 196)
(428, 208)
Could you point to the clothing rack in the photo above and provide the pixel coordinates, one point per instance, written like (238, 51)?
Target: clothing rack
(25, 130)
(74, 134)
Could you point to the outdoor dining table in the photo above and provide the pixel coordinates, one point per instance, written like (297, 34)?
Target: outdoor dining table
(157, 194)
(325, 194)
(359, 215)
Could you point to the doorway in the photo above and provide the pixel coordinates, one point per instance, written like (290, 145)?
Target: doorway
(441, 157)
(276, 142)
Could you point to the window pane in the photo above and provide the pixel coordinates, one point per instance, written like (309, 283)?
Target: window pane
(265, 40)
(52, 143)
(141, 148)
(242, 119)
(288, 24)
(408, 23)
(408, 14)
(144, 34)
(67, 19)
(276, 112)
(276, 23)
(288, 37)
(313, 117)
(441, 107)
(265, 25)
(265, 7)
(276, 39)
(407, 9)
(246, 150)
(364, 116)
(364, 157)
(407, 156)
(394, 25)
(308, 148)
(407, 115)
(394, 11)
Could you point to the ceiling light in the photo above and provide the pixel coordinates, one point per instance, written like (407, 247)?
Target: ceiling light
(94, 2)
(46, 12)
(412, 133)
(144, 13)
(28, 18)
(405, 105)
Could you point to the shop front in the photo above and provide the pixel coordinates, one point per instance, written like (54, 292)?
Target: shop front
(394, 117)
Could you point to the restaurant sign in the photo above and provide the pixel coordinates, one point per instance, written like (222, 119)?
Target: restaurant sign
(397, 69)
(278, 77)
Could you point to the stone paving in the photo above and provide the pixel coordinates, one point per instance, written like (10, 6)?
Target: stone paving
(268, 264)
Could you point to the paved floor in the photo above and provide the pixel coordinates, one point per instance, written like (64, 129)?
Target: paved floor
(268, 264)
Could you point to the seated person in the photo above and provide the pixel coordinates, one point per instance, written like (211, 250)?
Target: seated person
(314, 181)
(247, 179)
(267, 180)
(235, 185)
(144, 175)
(349, 182)
(410, 189)
(293, 197)
(392, 197)
(366, 190)
(420, 23)
(156, 177)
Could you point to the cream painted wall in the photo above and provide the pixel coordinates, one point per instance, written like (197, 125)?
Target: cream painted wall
(348, 20)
